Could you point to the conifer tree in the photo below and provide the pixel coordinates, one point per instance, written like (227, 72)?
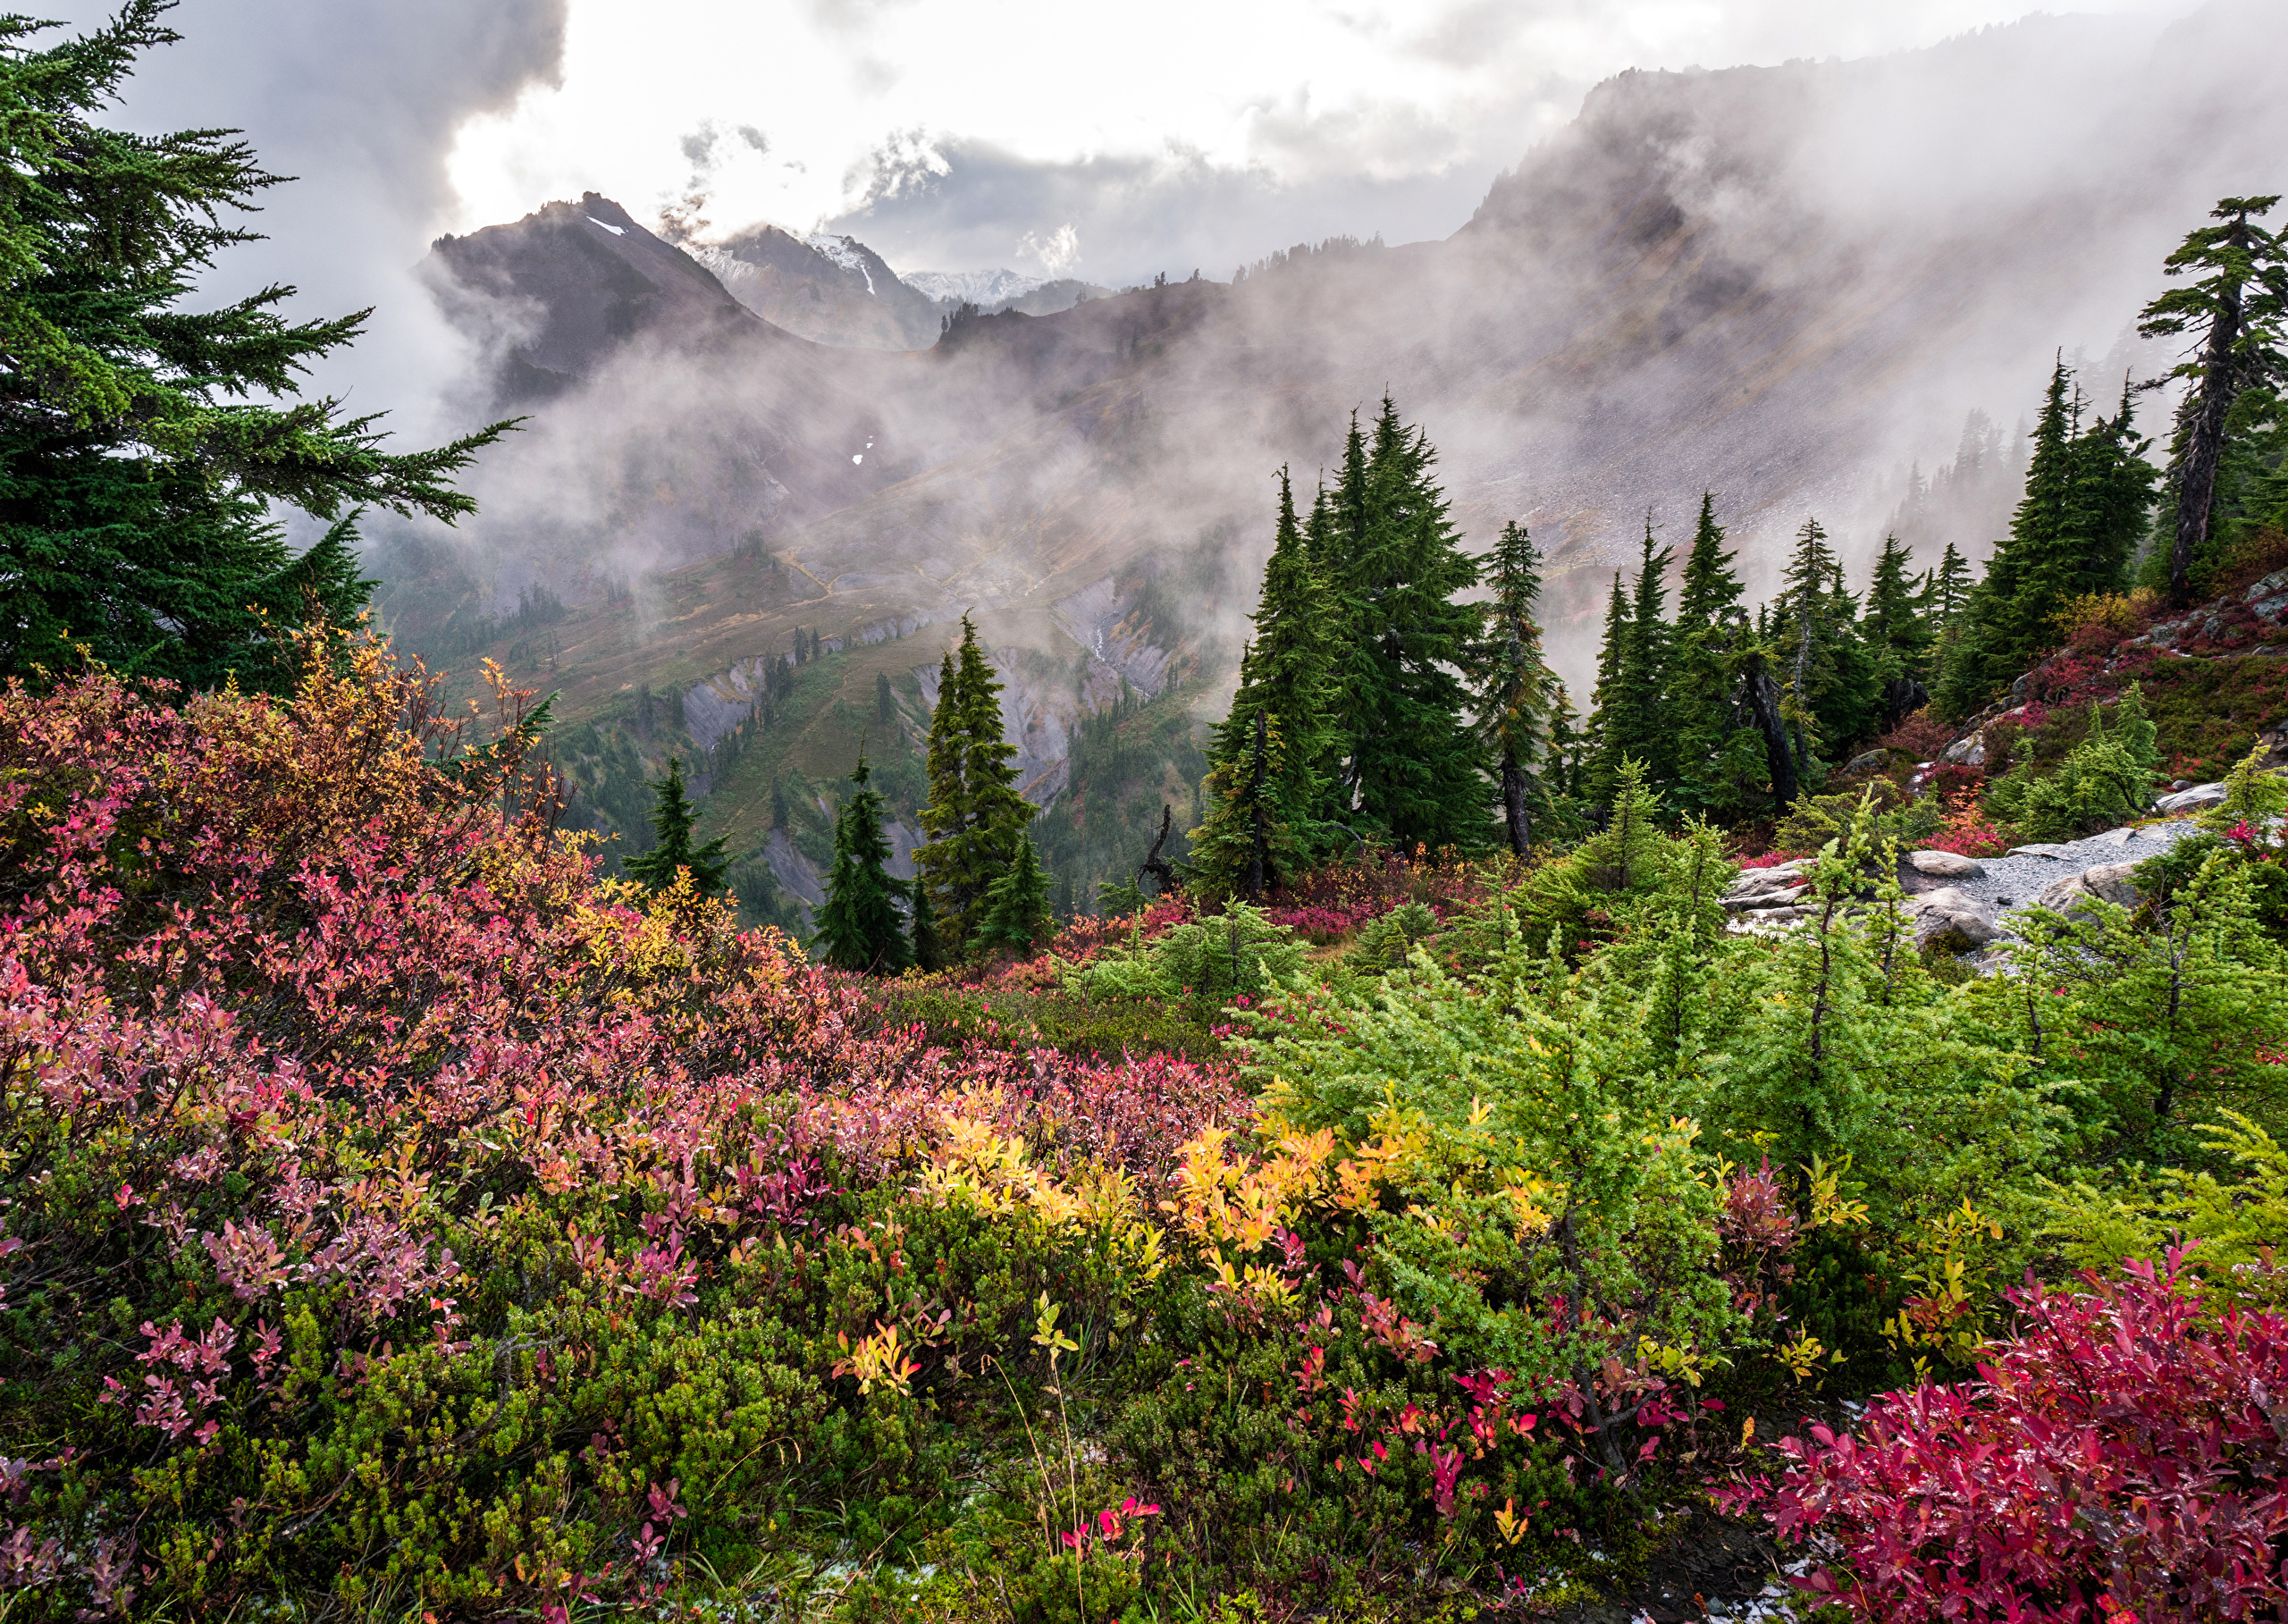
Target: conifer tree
(1712, 589)
(975, 818)
(1017, 915)
(859, 925)
(1269, 788)
(2087, 494)
(1897, 631)
(1517, 692)
(673, 819)
(1949, 590)
(2238, 308)
(1800, 628)
(146, 445)
(1412, 764)
(1639, 718)
(1718, 761)
(1603, 765)
(928, 947)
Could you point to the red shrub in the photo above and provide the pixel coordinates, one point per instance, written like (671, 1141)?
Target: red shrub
(2117, 1460)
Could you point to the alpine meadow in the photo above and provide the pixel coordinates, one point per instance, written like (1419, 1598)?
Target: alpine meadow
(712, 909)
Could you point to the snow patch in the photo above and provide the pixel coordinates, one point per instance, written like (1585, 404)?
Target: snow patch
(979, 288)
(844, 252)
(616, 231)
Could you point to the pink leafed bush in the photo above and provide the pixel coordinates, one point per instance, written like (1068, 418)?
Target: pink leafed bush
(2118, 1459)
(363, 1142)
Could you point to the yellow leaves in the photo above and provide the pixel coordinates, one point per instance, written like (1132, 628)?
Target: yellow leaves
(1804, 1355)
(1829, 1209)
(1235, 1202)
(1532, 1198)
(879, 1360)
(1507, 1523)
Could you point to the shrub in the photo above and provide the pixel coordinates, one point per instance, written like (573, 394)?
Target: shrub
(2116, 1458)
(403, 1217)
(1204, 963)
(2104, 780)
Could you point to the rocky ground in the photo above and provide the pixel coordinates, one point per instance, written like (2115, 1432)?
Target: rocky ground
(1966, 902)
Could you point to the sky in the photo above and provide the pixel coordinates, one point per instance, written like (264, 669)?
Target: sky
(1099, 140)
(1051, 137)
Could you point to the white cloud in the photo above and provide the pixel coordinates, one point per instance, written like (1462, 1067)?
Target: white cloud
(1295, 93)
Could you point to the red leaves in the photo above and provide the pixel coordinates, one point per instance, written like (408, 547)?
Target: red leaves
(2118, 1458)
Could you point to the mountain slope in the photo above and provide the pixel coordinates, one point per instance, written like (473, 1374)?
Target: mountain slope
(1778, 284)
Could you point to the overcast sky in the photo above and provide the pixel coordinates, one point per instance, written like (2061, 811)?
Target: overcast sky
(1093, 139)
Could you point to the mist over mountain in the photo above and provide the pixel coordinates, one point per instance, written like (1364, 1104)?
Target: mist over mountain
(1789, 285)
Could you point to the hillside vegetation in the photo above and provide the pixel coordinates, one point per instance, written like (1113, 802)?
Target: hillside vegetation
(1489, 1156)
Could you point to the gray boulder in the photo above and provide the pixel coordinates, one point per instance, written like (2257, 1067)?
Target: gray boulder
(1768, 888)
(2199, 798)
(2108, 881)
(1952, 918)
(1946, 865)
(1968, 751)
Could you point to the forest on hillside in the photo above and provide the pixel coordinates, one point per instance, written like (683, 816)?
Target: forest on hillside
(1506, 1156)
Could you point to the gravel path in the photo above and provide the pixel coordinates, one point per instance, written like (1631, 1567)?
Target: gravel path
(2012, 882)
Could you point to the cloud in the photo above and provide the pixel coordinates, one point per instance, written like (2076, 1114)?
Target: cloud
(951, 204)
(1059, 254)
(360, 99)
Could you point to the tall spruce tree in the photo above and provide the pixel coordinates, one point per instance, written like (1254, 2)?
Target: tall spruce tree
(1412, 764)
(859, 925)
(1638, 716)
(2237, 308)
(975, 818)
(1517, 693)
(1896, 628)
(1268, 794)
(146, 446)
(1603, 763)
(1719, 758)
(1831, 689)
(673, 819)
(2087, 494)
(1947, 592)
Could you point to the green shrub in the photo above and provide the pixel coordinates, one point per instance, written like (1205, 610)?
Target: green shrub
(1203, 963)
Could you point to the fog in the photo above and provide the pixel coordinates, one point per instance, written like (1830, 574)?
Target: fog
(1787, 284)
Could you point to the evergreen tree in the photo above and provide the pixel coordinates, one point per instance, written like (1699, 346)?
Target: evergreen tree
(673, 819)
(1638, 716)
(2086, 497)
(1800, 631)
(885, 699)
(2237, 308)
(1267, 798)
(145, 445)
(1517, 692)
(859, 925)
(975, 818)
(1898, 631)
(1711, 629)
(1603, 764)
(1947, 592)
(1712, 590)
(928, 948)
(1412, 764)
(1017, 915)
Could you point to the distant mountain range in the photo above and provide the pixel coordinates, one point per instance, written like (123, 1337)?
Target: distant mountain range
(1781, 283)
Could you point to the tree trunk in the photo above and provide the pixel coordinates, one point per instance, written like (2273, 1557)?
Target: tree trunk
(2205, 445)
(1761, 695)
(1513, 802)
